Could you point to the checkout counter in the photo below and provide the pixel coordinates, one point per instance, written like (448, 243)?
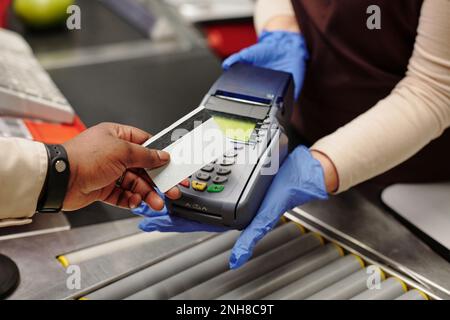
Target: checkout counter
(111, 72)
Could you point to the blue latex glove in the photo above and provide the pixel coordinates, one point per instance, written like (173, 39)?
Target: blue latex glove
(163, 222)
(277, 50)
(299, 180)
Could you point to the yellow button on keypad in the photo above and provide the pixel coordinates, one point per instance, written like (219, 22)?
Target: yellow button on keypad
(199, 186)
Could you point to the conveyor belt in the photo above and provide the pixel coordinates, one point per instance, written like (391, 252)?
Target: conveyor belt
(287, 264)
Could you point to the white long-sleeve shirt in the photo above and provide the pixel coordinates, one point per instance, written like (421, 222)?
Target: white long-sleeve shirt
(23, 168)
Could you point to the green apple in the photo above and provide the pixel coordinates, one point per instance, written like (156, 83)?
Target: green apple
(42, 13)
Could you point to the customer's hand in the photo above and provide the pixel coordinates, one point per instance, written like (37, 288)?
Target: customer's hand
(299, 180)
(277, 50)
(99, 157)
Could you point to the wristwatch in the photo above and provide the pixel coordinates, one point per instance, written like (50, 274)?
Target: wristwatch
(56, 181)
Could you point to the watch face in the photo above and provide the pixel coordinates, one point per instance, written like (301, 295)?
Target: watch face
(60, 166)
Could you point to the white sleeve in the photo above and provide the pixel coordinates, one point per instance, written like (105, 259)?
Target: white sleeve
(23, 168)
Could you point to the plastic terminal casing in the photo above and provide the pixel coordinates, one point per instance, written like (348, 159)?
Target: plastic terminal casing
(266, 97)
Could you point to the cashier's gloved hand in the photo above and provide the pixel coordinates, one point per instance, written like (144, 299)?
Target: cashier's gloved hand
(300, 179)
(100, 155)
(164, 222)
(277, 50)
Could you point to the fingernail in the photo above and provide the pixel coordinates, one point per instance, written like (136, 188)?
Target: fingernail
(163, 156)
(133, 206)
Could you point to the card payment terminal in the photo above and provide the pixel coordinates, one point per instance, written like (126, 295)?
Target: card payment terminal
(257, 102)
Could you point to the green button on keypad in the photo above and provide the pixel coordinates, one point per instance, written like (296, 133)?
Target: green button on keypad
(216, 188)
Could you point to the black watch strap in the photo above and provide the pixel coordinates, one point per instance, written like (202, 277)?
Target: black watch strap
(58, 174)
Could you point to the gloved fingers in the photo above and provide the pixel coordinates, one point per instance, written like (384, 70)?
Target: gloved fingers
(240, 254)
(269, 213)
(234, 58)
(299, 180)
(169, 223)
(262, 224)
(145, 210)
(295, 67)
(246, 55)
(243, 248)
(163, 223)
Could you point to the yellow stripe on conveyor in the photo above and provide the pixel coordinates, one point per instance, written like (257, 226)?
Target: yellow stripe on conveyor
(361, 261)
(422, 294)
(339, 249)
(283, 220)
(404, 287)
(63, 260)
